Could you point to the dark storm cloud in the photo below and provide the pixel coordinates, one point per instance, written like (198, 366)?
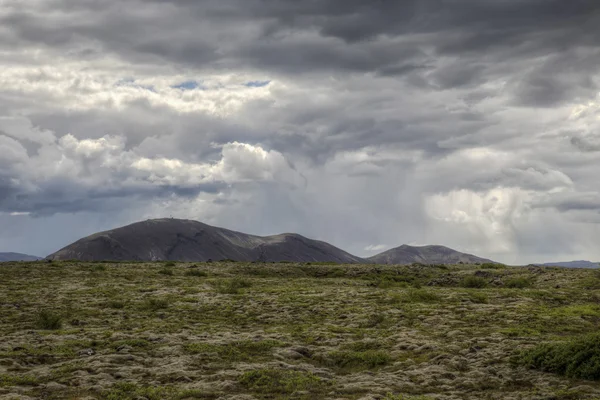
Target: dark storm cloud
(584, 144)
(385, 36)
(566, 202)
(401, 119)
(57, 199)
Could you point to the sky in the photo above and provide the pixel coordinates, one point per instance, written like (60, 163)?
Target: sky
(369, 124)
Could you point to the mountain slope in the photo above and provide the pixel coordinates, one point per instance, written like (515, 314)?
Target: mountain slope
(17, 257)
(572, 264)
(406, 254)
(186, 240)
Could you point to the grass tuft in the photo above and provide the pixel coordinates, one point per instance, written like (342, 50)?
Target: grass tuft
(166, 271)
(281, 382)
(15, 380)
(232, 286)
(518, 283)
(49, 320)
(155, 304)
(234, 351)
(195, 272)
(357, 360)
(116, 304)
(473, 282)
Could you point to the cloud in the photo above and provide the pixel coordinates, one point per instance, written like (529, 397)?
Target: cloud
(69, 174)
(585, 144)
(472, 124)
(375, 247)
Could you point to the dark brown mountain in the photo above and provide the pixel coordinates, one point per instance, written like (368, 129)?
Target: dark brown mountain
(425, 255)
(186, 240)
(17, 257)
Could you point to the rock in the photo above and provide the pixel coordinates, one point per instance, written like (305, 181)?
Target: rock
(119, 359)
(304, 351)
(294, 355)
(124, 349)
(86, 352)
(54, 387)
(118, 375)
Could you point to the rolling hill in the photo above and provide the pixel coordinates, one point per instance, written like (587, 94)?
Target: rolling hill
(406, 254)
(186, 240)
(17, 257)
(572, 264)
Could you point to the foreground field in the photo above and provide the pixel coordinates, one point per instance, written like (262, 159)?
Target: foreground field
(75, 330)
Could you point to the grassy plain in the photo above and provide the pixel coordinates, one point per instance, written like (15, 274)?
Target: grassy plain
(225, 330)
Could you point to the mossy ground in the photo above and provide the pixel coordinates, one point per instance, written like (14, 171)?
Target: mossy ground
(74, 330)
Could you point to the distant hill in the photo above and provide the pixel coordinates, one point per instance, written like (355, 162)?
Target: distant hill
(17, 257)
(186, 240)
(406, 254)
(572, 264)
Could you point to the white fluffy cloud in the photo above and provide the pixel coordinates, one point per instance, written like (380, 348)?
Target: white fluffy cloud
(84, 169)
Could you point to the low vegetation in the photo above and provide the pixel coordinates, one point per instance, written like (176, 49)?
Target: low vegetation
(232, 286)
(357, 360)
(574, 358)
(280, 382)
(233, 330)
(472, 281)
(46, 319)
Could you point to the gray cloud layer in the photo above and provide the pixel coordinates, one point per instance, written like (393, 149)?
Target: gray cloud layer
(369, 124)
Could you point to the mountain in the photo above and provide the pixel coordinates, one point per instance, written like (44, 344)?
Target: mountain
(572, 264)
(17, 257)
(406, 254)
(186, 240)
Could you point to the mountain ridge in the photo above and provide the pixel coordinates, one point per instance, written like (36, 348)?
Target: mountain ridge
(429, 254)
(10, 256)
(188, 240)
(572, 264)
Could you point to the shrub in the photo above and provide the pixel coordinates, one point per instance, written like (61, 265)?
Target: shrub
(373, 320)
(475, 282)
(195, 272)
(357, 360)
(49, 320)
(518, 283)
(232, 286)
(384, 283)
(421, 296)
(576, 358)
(155, 304)
(492, 266)
(323, 270)
(170, 264)
(166, 271)
(116, 304)
(478, 297)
